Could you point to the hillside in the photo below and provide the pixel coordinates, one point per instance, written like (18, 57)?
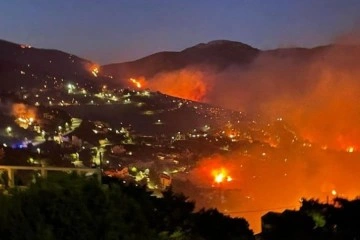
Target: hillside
(217, 54)
(23, 65)
(221, 55)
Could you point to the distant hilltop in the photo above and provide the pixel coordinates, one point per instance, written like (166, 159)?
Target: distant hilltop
(23, 65)
(217, 54)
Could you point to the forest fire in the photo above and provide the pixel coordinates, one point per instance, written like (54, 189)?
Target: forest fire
(25, 115)
(221, 175)
(136, 82)
(93, 68)
(95, 71)
(350, 149)
(250, 181)
(215, 169)
(186, 83)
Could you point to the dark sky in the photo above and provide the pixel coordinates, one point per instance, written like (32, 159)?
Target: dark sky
(120, 30)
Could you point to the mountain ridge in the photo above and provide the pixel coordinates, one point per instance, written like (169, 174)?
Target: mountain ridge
(18, 60)
(217, 54)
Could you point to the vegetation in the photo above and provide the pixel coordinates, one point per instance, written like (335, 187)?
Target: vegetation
(73, 207)
(319, 221)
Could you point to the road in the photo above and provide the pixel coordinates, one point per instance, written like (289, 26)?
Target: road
(75, 123)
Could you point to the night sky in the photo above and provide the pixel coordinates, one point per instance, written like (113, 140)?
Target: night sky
(108, 31)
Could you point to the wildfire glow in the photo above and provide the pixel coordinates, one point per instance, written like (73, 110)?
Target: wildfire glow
(219, 178)
(137, 83)
(221, 175)
(318, 103)
(95, 71)
(186, 83)
(350, 149)
(25, 115)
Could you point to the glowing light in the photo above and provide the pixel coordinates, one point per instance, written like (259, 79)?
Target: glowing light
(25, 115)
(350, 149)
(219, 178)
(333, 192)
(221, 175)
(8, 129)
(185, 83)
(95, 71)
(135, 82)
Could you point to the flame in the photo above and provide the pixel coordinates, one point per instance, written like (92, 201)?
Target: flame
(95, 71)
(319, 102)
(93, 68)
(350, 149)
(219, 178)
(136, 82)
(214, 170)
(221, 175)
(186, 83)
(25, 115)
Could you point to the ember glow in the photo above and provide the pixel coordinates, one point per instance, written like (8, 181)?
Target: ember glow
(317, 96)
(93, 68)
(219, 178)
(221, 175)
(95, 71)
(215, 169)
(186, 83)
(136, 83)
(350, 149)
(25, 115)
(255, 183)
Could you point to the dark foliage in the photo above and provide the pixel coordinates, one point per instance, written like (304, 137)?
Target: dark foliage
(319, 221)
(73, 207)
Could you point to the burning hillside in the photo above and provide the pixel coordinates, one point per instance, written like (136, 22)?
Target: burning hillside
(187, 84)
(316, 93)
(260, 179)
(313, 89)
(25, 115)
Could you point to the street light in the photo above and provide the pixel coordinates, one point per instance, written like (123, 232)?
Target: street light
(9, 130)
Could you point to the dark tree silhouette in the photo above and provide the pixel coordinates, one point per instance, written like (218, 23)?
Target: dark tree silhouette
(73, 207)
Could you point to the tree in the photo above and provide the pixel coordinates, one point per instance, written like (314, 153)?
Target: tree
(211, 224)
(75, 207)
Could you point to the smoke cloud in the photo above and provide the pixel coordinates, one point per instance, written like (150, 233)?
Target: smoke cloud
(20, 110)
(274, 179)
(191, 84)
(317, 92)
(314, 90)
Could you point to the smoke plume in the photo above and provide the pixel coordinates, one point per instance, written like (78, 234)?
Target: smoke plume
(186, 83)
(317, 92)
